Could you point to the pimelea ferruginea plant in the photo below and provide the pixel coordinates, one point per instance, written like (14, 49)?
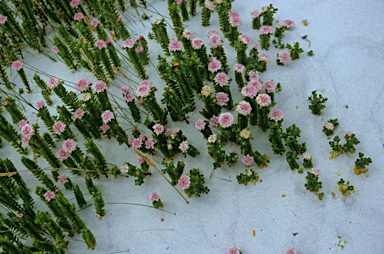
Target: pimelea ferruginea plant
(295, 50)
(183, 9)
(256, 19)
(223, 7)
(156, 201)
(348, 147)
(276, 133)
(174, 13)
(217, 51)
(329, 127)
(361, 163)
(174, 172)
(129, 46)
(160, 33)
(146, 93)
(231, 159)
(233, 34)
(215, 150)
(345, 188)
(265, 35)
(267, 13)
(250, 176)
(203, 127)
(241, 45)
(313, 184)
(290, 137)
(193, 184)
(211, 107)
(307, 160)
(206, 12)
(316, 103)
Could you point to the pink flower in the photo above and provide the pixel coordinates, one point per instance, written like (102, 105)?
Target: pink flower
(249, 91)
(55, 49)
(233, 13)
(78, 16)
(107, 116)
(266, 30)
(264, 100)
(284, 57)
(200, 124)
(349, 133)
(244, 108)
(280, 24)
(214, 66)
(209, 5)
(53, 82)
(141, 102)
(129, 43)
(222, 79)
(214, 121)
(62, 154)
(214, 41)
(3, 19)
(158, 129)
(247, 160)
(69, 145)
(276, 115)
(289, 23)
(104, 128)
(82, 84)
(140, 160)
(40, 104)
(175, 46)
(168, 131)
(59, 127)
(27, 131)
(233, 250)
(139, 50)
(100, 44)
(257, 84)
(184, 146)
(245, 39)
(255, 14)
(63, 179)
(143, 91)
(197, 43)
(94, 22)
(180, 1)
(184, 182)
(25, 140)
(255, 46)
(234, 21)
(222, 99)
(253, 75)
(146, 83)
(212, 138)
(226, 120)
(142, 137)
(264, 58)
(149, 144)
(211, 32)
(188, 35)
(290, 250)
(79, 113)
(315, 172)
(136, 143)
(307, 156)
(99, 86)
(22, 123)
(49, 195)
(17, 65)
(20, 216)
(239, 68)
(125, 89)
(155, 197)
(270, 86)
(129, 97)
(74, 3)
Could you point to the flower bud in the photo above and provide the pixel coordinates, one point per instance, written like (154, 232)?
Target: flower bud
(201, 111)
(119, 20)
(20, 216)
(6, 104)
(141, 38)
(117, 136)
(57, 191)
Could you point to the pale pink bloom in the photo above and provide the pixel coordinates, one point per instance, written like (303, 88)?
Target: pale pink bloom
(264, 58)
(214, 66)
(289, 23)
(226, 120)
(17, 65)
(143, 91)
(257, 84)
(212, 138)
(169, 146)
(22, 123)
(3, 19)
(63, 179)
(307, 156)
(209, 5)
(94, 22)
(130, 140)
(146, 83)
(211, 32)
(222, 79)
(125, 89)
(55, 49)
(244, 108)
(155, 197)
(53, 82)
(100, 44)
(197, 43)
(290, 250)
(104, 128)
(20, 216)
(184, 146)
(140, 160)
(249, 91)
(82, 84)
(107, 116)
(78, 16)
(329, 126)
(284, 57)
(136, 143)
(139, 50)
(233, 250)
(49, 195)
(62, 154)
(233, 14)
(315, 172)
(245, 39)
(79, 113)
(184, 182)
(157, 21)
(188, 35)
(349, 133)
(214, 121)
(129, 97)
(142, 137)
(27, 131)
(200, 124)
(180, 1)
(25, 140)
(69, 145)
(266, 30)
(40, 104)
(270, 86)
(149, 144)
(74, 3)
(158, 129)
(280, 24)
(214, 41)
(276, 115)
(125, 168)
(108, 41)
(175, 46)
(59, 127)
(264, 100)
(129, 43)
(234, 21)
(141, 102)
(99, 86)
(239, 68)
(222, 99)
(247, 160)
(168, 131)
(253, 75)
(255, 14)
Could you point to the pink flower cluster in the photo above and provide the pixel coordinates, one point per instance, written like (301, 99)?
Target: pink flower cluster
(53, 82)
(222, 79)
(49, 195)
(276, 115)
(74, 3)
(284, 57)
(3, 19)
(40, 104)
(188, 35)
(55, 49)
(255, 46)
(247, 160)
(17, 65)
(22, 123)
(158, 129)
(184, 146)
(214, 121)
(214, 66)
(140, 160)
(289, 23)
(234, 21)
(222, 99)
(78, 16)
(100, 44)
(94, 22)
(245, 39)
(270, 86)
(249, 91)
(197, 43)
(209, 5)
(233, 13)
(233, 250)
(62, 154)
(200, 124)
(290, 250)
(107, 116)
(211, 32)
(69, 145)
(139, 50)
(214, 41)
(244, 108)
(149, 143)
(175, 46)
(129, 43)
(257, 84)
(264, 100)
(59, 127)
(79, 113)
(226, 120)
(63, 179)
(239, 68)
(143, 90)
(99, 86)
(254, 75)
(104, 128)
(184, 182)
(315, 172)
(266, 30)
(255, 14)
(27, 131)
(82, 84)
(264, 58)
(155, 197)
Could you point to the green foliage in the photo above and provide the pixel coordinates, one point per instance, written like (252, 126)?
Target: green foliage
(38, 173)
(157, 204)
(345, 188)
(99, 203)
(220, 55)
(310, 53)
(316, 103)
(174, 172)
(330, 132)
(216, 152)
(295, 50)
(290, 138)
(291, 159)
(223, 11)
(256, 23)
(264, 41)
(197, 184)
(69, 210)
(268, 15)
(192, 7)
(313, 183)
(362, 162)
(231, 159)
(79, 196)
(276, 137)
(205, 16)
(137, 63)
(10, 135)
(64, 53)
(99, 160)
(14, 111)
(161, 35)
(68, 98)
(249, 176)
(184, 11)
(89, 238)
